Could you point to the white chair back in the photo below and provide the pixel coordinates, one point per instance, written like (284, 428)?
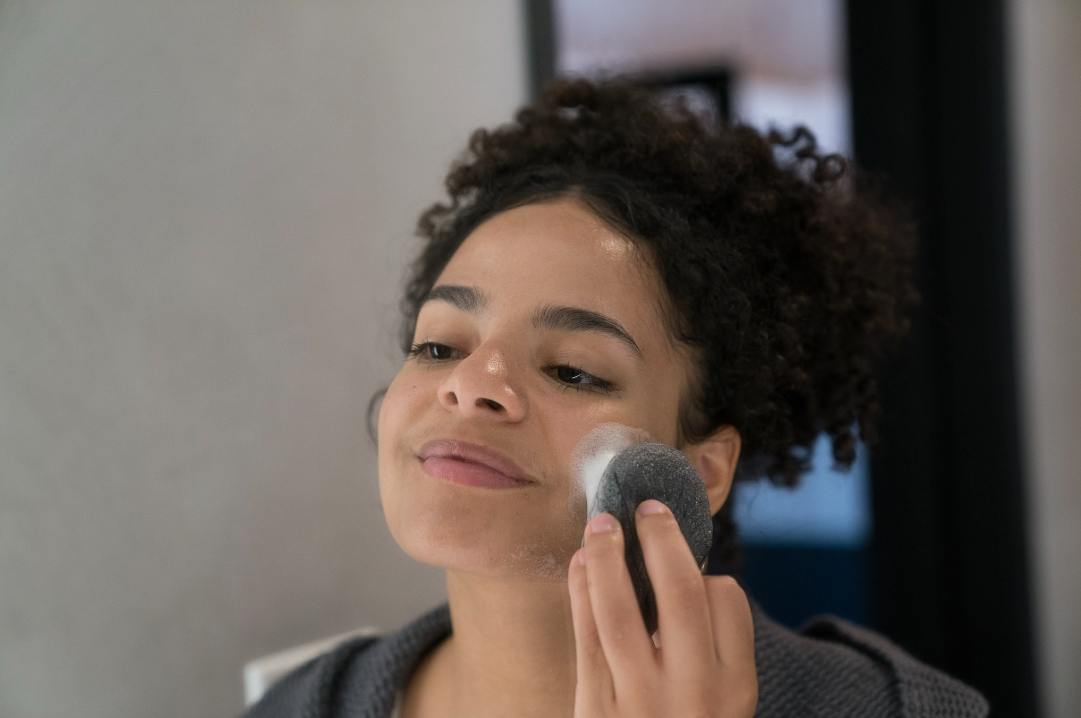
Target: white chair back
(261, 673)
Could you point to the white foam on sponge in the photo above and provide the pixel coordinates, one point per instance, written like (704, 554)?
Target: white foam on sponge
(593, 453)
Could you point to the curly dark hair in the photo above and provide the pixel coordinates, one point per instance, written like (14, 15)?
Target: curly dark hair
(786, 272)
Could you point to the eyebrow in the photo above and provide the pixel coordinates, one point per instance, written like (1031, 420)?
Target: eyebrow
(468, 299)
(575, 319)
(550, 317)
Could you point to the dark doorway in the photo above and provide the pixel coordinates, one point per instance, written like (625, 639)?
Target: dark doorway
(949, 552)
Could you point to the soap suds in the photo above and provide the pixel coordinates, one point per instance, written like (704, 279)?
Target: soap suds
(592, 454)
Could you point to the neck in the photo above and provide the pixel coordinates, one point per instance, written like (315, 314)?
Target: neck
(512, 649)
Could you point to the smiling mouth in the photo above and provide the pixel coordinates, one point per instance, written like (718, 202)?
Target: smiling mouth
(470, 465)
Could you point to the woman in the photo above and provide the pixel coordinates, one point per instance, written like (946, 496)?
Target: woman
(610, 258)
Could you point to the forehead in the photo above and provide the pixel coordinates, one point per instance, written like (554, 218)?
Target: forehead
(557, 252)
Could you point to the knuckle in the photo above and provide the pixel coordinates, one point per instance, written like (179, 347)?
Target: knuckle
(694, 707)
(726, 588)
(740, 692)
(686, 590)
(619, 627)
(727, 583)
(593, 648)
(746, 700)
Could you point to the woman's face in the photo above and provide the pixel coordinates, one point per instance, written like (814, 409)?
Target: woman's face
(544, 324)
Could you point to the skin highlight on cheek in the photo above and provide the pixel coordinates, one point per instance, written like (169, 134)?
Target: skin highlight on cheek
(592, 454)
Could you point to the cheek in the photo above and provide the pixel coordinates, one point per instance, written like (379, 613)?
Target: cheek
(399, 409)
(392, 414)
(652, 412)
(412, 392)
(656, 410)
(391, 409)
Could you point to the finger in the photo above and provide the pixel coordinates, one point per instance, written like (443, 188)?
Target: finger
(594, 678)
(733, 627)
(627, 646)
(683, 611)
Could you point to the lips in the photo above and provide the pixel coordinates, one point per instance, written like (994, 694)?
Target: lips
(469, 464)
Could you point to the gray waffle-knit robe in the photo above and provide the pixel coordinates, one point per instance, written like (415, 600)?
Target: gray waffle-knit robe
(831, 668)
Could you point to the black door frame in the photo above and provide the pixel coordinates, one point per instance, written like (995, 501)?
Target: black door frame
(929, 109)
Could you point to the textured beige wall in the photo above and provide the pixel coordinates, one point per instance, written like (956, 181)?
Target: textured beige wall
(1046, 97)
(205, 209)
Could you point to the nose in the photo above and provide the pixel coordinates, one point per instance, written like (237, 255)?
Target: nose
(480, 386)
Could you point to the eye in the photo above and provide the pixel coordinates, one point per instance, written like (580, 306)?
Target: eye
(579, 379)
(434, 351)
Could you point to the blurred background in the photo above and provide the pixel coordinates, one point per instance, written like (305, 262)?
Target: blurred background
(205, 212)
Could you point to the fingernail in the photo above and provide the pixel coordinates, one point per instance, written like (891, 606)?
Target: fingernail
(651, 506)
(603, 522)
(581, 557)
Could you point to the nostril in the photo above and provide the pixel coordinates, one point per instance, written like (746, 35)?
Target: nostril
(493, 405)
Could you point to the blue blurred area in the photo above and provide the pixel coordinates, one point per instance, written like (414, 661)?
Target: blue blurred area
(828, 508)
(806, 549)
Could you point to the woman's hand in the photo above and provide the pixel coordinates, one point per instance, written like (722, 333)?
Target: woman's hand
(705, 663)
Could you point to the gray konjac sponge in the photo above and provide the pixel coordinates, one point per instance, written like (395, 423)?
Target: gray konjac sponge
(654, 471)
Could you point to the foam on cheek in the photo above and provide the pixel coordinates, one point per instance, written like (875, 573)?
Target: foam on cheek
(592, 454)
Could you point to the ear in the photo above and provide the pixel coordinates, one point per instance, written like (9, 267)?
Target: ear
(715, 459)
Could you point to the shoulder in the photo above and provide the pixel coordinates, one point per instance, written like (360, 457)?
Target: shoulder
(360, 677)
(835, 668)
